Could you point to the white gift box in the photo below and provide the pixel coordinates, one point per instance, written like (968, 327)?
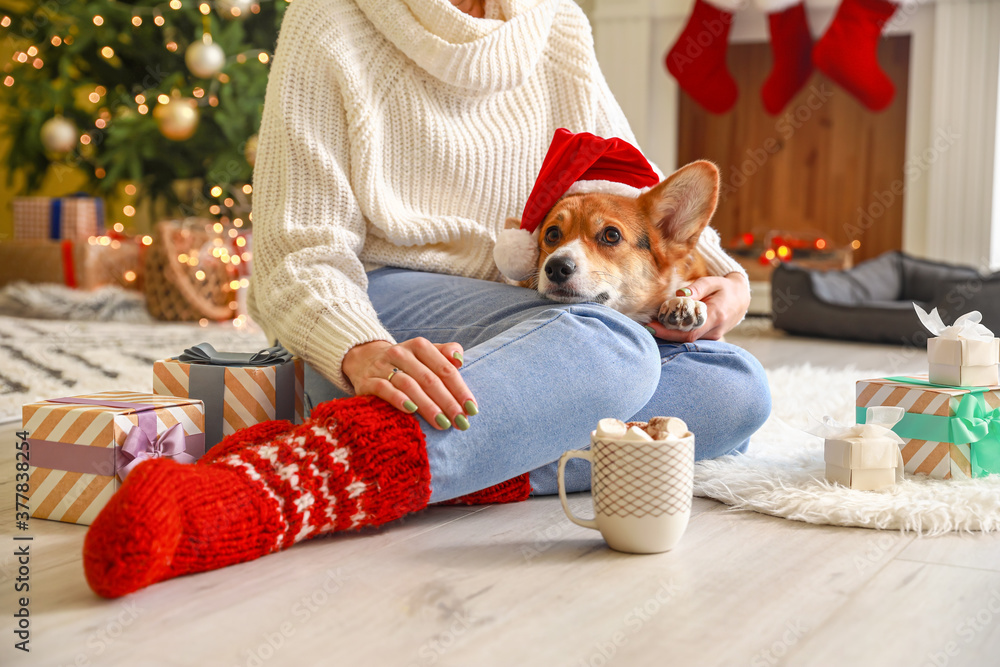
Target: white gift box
(866, 464)
(965, 354)
(866, 456)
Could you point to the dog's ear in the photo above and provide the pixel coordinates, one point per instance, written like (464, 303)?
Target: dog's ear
(683, 204)
(512, 223)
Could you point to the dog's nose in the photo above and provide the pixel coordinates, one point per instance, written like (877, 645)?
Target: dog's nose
(560, 269)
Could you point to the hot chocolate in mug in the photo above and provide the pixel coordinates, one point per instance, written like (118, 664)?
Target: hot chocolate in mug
(641, 484)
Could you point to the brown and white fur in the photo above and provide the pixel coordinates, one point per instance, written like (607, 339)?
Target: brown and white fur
(630, 254)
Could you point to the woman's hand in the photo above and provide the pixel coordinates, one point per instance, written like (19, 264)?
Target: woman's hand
(427, 380)
(727, 299)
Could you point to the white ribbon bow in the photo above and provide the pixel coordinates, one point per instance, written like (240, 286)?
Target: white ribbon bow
(879, 423)
(967, 326)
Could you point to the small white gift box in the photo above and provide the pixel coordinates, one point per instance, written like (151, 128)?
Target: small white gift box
(866, 456)
(966, 354)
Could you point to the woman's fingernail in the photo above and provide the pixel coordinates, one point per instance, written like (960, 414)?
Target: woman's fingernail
(651, 330)
(458, 355)
(410, 406)
(442, 421)
(461, 423)
(684, 291)
(471, 408)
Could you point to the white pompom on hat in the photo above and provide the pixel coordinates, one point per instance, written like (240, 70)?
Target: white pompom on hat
(574, 163)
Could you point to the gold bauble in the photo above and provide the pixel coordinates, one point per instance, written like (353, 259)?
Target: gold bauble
(250, 150)
(59, 135)
(205, 58)
(178, 118)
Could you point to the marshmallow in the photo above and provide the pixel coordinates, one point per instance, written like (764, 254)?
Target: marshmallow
(636, 434)
(663, 428)
(611, 428)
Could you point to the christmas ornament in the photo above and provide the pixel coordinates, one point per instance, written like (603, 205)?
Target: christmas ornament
(250, 150)
(59, 135)
(205, 59)
(848, 52)
(241, 7)
(178, 118)
(698, 58)
(791, 46)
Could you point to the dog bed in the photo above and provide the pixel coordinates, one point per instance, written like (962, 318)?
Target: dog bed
(873, 301)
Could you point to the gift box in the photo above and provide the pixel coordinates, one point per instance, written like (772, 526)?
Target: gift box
(54, 218)
(238, 389)
(80, 448)
(863, 456)
(965, 354)
(949, 432)
(75, 264)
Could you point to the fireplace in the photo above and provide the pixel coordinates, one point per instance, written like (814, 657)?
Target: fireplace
(940, 171)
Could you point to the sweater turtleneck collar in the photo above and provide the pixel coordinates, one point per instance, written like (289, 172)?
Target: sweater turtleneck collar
(475, 53)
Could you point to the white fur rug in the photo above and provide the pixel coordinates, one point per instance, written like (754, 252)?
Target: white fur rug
(782, 474)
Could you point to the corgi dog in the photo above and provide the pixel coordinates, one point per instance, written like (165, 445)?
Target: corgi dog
(631, 254)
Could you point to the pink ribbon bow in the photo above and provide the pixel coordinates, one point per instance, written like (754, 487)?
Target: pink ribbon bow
(138, 448)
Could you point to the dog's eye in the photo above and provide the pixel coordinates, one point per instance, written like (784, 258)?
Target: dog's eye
(553, 234)
(611, 236)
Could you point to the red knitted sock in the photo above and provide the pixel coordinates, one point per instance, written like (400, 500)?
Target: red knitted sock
(791, 46)
(698, 58)
(848, 52)
(356, 462)
(512, 491)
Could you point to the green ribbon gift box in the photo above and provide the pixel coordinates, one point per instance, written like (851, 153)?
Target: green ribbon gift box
(950, 432)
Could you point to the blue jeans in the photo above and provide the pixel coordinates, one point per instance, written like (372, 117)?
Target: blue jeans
(543, 373)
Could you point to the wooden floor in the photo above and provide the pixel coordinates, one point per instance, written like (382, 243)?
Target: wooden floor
(520, 585)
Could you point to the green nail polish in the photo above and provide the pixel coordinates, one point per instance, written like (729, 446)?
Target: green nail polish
(410, 406)
(471, 408)
(442, 421)
(651, 330)
(458, 355)
(461, 423)
(684, 291)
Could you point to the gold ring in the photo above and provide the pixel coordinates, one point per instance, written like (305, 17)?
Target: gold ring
(394, 371)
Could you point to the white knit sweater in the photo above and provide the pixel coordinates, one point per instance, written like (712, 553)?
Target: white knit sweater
(403, 133)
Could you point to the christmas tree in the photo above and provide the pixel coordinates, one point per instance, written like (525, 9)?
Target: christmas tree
(150, 93)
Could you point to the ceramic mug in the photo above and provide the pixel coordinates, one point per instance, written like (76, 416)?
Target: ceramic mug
(641, 491)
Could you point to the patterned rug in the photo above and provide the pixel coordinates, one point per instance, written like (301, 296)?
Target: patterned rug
(42, 359)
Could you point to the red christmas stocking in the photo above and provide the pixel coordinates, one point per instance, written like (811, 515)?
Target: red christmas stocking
(356, 462)
(698, 58)
(791, 45)
(848, 52)
(512, 491)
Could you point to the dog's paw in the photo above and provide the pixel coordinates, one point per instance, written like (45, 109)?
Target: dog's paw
(682, 313)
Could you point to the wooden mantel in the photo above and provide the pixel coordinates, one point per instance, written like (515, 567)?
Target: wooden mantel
(952, 210)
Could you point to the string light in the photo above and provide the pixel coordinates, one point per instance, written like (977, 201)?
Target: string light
(216, 190)
(247, 189)
(98, 20)
(108, 52)
(130, 189)
(119, 227)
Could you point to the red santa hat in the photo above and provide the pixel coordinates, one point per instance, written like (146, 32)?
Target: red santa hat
(574, 163)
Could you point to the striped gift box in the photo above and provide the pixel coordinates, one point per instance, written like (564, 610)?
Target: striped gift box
(72, 218)
(235, 396)
(75, 446)
(936, 425)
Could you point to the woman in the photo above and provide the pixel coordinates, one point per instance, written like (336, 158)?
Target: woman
(401, 133)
